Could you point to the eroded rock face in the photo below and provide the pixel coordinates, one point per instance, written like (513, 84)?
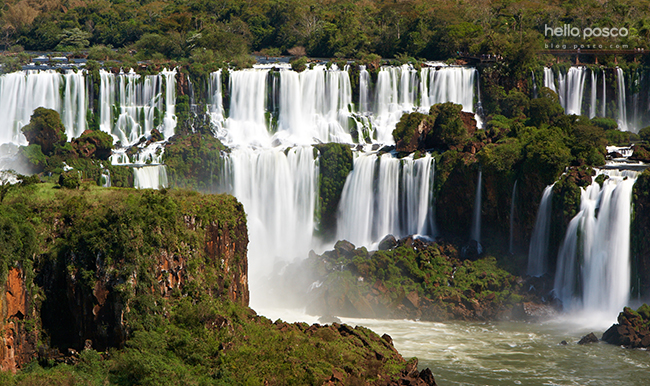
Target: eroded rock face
(632, 330)
(18, 341)
(90, 293)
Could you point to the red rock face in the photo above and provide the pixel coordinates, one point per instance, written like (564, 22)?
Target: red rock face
(76, 315)
(18, 344)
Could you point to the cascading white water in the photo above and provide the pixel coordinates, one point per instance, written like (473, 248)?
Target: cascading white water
(594, 92)
(538, 249)
(593, 269)
(604, 107)
(448, 84)
(512, 218)
(549, 79)
(75, 103)
(476, 217)
(571, 89)
(215, 103)
(364, 90)
(278, 191)
(385, 195)
(150, 177)
(315, 104)
(620, 97)
(23, 91)
(130, 105)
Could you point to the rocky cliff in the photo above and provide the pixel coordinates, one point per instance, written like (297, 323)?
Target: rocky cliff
(104, 259)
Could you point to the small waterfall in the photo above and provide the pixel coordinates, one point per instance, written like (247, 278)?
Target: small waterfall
(449, 84)
(385, 195)
(476, 218)
(538, 249)
(106, 178)
(604, 108)
(73, 114)
(364, 90)
(620, 95)
(150, 177)
(534, 85)
(549, 79)
(246, 123)
(315, 104)
(571, 88)
(23, 91)
(512, 217)
(215, 103)
(132, 105)
(594, 91)
(170, 103)
(593, 270)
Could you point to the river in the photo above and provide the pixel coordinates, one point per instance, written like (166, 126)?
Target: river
(508, 353)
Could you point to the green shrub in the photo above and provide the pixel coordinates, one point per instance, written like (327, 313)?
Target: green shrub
(70, 179)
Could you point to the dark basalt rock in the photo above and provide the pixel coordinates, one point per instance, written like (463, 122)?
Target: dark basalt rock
(589, 338)
(388, 242)
(344, 247)
(632, 330)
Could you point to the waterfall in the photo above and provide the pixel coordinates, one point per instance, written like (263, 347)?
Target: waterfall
(315, 104)
(385, 195)
(593, 271)
(279, 193)
(620, 95)
(512, 217)
(73, 114)
(150, 177)
(604, 108)
(132, 105)
(571, 88)
(594, 91)
(549, 79)
(387, 108)
(215, 103)
(170, 103)
(23, 91)
(532, 73)
(538, 249)
(449, 84)
(364, 89)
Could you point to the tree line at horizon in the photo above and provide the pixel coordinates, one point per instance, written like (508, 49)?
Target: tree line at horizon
(226, 29)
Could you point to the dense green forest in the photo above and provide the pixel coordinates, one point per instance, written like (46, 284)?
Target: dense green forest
(227, 29)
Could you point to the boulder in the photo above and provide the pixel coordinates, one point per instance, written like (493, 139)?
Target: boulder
(344, 247)
(589, 338)
(388, 242)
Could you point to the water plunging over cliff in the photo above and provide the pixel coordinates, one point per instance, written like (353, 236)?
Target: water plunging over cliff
(278, 191)
(579, 94)
(385, 195)
(593, 269)
(23, 91)
(141, 105)
(538, 250)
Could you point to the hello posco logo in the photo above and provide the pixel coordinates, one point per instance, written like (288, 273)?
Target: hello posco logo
(568, 31)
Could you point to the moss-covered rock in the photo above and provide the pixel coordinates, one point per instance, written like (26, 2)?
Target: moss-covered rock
(93, 144)
(195, 161)
(419, 280)
(335, 163)
(632, 330)
(46, 130)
